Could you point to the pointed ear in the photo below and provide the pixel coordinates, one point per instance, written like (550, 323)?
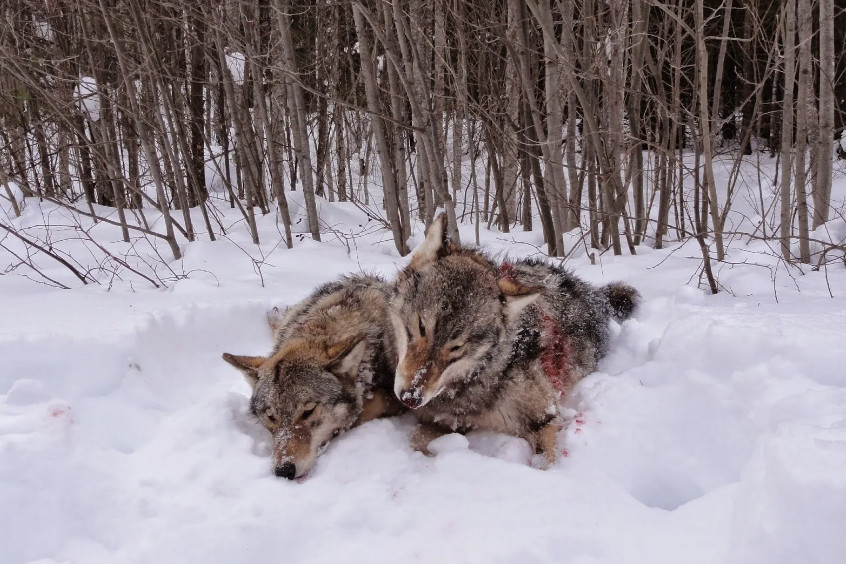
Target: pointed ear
(275, 317)
(249, 365)
(514, 305)
(435, 244)
(347, 358)
(517, 297)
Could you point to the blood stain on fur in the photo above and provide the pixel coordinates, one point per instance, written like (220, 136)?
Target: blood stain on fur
(556, 358)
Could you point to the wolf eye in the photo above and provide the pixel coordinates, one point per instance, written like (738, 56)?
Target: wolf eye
(456, 352)
(271, 418)
(422, 329)
(307, 413)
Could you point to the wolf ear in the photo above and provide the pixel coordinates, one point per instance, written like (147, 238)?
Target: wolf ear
(249, 365)
(346, 358)
(275, 317)
(517, 297)
(434, 246)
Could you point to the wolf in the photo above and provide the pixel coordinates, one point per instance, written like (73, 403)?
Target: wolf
(332, 367)
(493, 346)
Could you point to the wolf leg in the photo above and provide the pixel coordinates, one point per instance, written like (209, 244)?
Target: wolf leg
(380, 404)
(424, 434)
(546, 442)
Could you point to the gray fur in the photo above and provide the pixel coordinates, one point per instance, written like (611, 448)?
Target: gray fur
(484, 346)
(331, 367)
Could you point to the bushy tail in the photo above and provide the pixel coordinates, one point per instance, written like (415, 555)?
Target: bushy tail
(623, 300)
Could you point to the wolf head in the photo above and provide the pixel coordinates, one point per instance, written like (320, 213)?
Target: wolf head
(451, 315)
(305, 394)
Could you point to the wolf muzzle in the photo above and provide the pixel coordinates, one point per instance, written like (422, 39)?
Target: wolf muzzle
(411, 398)
(286, 470)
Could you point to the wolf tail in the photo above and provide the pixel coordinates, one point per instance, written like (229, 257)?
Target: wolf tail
(623, 300)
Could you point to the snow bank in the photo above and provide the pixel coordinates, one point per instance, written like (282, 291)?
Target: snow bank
(715, 430)
(791, 504)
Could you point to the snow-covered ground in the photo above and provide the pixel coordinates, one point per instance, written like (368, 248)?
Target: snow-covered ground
(714, 432)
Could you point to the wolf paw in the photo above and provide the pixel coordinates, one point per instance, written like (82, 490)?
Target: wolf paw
(540, 462)
(423, 435)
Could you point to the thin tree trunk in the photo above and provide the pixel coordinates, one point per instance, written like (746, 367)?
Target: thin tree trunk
(143, 135)
(705, 126)
(787, 125)
(716, 124)
(378, 125)
(822, 194)
(296, 103)
(806, 91)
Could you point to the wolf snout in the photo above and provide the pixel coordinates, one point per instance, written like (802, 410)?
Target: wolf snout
(411, 398)
(286, 470)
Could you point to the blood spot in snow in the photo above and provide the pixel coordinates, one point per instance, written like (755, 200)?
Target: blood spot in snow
(564, 453)
(578, 430)
(61, 412)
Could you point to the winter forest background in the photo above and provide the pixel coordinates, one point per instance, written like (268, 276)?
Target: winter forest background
(172, 169)
(604, 116)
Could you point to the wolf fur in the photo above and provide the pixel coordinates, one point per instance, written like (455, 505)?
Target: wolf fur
(332, 367)
(493, 346)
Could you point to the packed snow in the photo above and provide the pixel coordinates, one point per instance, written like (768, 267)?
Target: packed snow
(714, 432)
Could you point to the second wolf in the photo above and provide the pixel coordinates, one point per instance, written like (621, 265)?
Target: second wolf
(332, 367)
(493, 346)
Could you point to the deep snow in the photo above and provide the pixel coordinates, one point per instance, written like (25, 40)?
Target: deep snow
(714, 432)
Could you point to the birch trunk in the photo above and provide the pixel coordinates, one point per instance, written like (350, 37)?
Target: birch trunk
(822, 194)
(297, 108)
(705, 126)
(378, 125)
(806, 91)
(789, 33)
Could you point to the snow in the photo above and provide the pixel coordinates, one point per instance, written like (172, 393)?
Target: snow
(236, 63)
(43, 30)
(87, 97)
(715, 430)
(452, 442)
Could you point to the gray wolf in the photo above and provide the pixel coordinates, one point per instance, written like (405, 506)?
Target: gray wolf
(493, 346)
(332, 367)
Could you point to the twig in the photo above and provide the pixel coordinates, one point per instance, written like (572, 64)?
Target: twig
(47, 252)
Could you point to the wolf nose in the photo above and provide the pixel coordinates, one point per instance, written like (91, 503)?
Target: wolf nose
(287, 470)
(411, 398)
